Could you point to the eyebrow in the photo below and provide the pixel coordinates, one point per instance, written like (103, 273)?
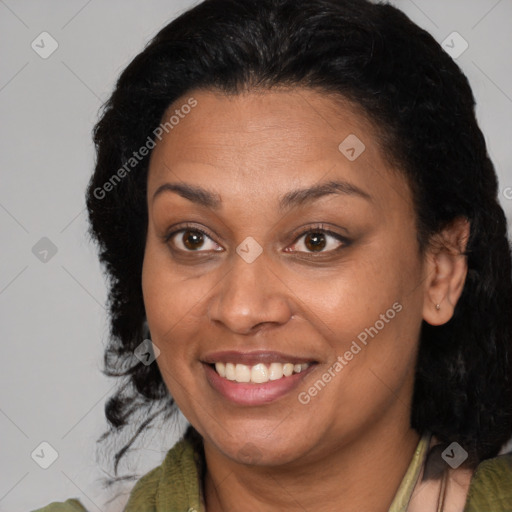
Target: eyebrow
(291, 199)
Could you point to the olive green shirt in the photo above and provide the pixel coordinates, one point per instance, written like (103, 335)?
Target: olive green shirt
(175, 485)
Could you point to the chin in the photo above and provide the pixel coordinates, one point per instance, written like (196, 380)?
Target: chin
(257, 450)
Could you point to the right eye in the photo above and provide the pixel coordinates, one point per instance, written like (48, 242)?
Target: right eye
(190, 239)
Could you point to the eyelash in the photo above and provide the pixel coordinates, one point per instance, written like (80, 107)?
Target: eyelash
(319, 228)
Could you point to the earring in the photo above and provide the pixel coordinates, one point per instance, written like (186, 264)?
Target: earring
(438, 307)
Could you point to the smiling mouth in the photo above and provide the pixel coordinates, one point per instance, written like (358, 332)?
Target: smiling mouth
(258, 373)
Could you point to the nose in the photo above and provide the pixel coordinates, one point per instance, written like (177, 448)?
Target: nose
(250, 297)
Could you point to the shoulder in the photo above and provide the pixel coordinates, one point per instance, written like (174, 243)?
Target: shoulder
(144, 492)
(174, 483)
(71, 505)
(491, 486)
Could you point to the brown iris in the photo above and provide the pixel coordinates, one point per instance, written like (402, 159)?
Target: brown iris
(192, 239)
(315, 241)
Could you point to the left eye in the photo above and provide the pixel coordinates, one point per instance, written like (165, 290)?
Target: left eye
(318, 240)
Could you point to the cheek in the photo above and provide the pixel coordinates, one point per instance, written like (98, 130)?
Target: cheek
(173, 303)
(371, 315)
(168, 291)
(355, 296)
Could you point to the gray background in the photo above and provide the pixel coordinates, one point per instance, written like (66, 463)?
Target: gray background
(54, 324)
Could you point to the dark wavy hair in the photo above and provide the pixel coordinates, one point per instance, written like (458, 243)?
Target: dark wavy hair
(399, 77)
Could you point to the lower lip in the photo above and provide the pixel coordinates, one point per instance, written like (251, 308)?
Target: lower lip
(243, 393)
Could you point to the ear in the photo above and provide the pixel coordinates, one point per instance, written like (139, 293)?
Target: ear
(445, 269)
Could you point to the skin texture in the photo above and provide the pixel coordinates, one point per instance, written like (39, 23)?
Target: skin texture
(352, 442)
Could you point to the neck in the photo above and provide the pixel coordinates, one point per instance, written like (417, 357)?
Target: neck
(363, 474)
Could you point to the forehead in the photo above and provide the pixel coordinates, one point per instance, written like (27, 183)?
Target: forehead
(299, 121)
(272, 141)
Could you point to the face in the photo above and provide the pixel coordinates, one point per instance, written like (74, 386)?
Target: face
(272, 248)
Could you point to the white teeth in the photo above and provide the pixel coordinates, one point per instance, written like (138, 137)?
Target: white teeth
(243, 373)
(221, 369)
(259, 373)
(230, 371)
(276, 371)
(287, 369)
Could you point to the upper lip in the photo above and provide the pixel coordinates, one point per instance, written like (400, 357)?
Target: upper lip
(251, 358)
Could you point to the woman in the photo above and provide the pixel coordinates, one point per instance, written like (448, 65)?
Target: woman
(294, 202)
